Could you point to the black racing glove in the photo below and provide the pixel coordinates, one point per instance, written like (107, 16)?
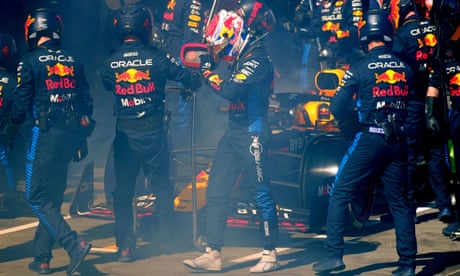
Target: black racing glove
(432, 123)
(87, 126)
(82, 149)
(195, 81)
(206, 67)
(206, 63)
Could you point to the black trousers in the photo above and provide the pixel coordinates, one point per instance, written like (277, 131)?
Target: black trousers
(371, 155)
(140, 144)
(48, 156)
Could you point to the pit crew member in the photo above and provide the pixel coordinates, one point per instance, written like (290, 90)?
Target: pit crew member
(136, 75)
(416, 42)
(381, 83)
(52, 88)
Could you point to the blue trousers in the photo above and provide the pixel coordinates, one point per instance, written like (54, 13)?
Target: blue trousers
(371, 155)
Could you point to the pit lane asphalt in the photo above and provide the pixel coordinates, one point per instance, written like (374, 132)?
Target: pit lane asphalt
(370, 251)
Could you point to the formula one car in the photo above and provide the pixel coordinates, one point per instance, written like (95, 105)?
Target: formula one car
(242, 214)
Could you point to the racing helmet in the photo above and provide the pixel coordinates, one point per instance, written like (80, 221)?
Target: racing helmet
(226, 35)
(377, 26)
(42, 22)
(258, 17)
(134, 20)
(8, 49)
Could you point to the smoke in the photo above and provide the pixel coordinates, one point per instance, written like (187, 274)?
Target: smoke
(88, 35)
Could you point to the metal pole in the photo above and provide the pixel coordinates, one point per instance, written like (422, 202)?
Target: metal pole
(192, 149)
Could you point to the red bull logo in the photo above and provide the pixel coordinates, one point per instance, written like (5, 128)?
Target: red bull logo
(342, 34)
(171, 5)
(135, 88)
(60, 70)
(132, 75)
(454, 85)
(324, 112)
(330, 26)
(63, 83)
(455, 80)
(390, 76)
(430, 40)
(216, 79)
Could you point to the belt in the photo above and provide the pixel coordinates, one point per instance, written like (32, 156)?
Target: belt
(373, 129)
(46, 123)
(140, 124)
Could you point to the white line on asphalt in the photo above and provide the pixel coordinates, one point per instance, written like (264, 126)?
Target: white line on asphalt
(23, 227)
(103, 250)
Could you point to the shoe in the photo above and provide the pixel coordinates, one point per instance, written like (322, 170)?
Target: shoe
(446, 215)
(329, 264)
(211, 260)
(450, 229)
(268, 262)
(42, 267)
(77, 255)
(125, 255)
(404, 271)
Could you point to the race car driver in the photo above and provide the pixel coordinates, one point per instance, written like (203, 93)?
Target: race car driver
(237, 39)
(52, 87)
(381, 83)
(136, 75)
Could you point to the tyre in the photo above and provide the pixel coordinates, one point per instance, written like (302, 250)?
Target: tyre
(319, 165)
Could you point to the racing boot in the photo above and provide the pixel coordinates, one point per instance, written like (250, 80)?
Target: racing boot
(40, 266)
(445, 215)
(332, 263)
(404, 271)
(77, 254)
(450, 229)
(125, 255)
(211, 260)
(268, 262)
